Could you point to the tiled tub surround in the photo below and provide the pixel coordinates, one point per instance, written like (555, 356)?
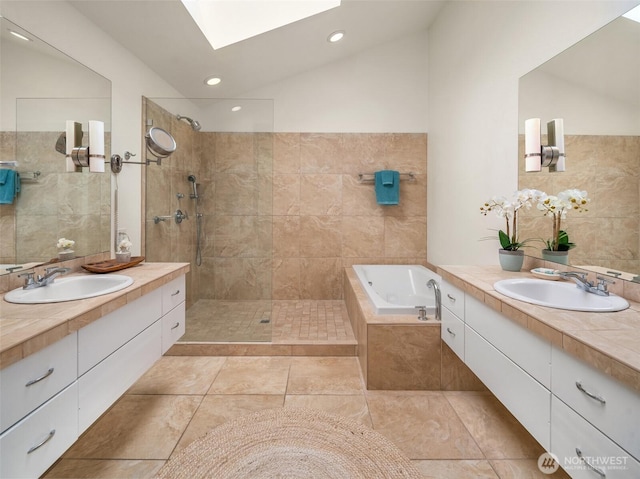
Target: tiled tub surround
(65, 364)
(571, 378)
(400, 352)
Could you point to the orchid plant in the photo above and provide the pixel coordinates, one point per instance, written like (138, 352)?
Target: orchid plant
(557, 207)
(65, 243)
(508, 209)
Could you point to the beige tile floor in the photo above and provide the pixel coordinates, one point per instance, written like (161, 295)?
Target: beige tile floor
(452, 435)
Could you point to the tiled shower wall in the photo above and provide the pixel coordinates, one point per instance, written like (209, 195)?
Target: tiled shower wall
(608, 168)
(283, 213)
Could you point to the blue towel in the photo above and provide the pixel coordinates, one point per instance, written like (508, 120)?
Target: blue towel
(9, 186)
(387, 187)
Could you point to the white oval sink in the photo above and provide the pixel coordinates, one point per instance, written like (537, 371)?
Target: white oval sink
(70, 289)
(559, 295)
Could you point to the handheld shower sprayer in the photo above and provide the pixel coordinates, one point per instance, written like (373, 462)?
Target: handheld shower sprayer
(192, 179)
(195, 124)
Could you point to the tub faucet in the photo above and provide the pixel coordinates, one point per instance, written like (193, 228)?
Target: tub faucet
(49, 275)
(432, 283)
(584, 284)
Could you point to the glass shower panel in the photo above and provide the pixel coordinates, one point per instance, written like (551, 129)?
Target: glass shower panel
(231, 157)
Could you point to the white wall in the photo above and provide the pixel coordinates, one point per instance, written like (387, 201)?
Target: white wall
(477, 52)
(383, 89)
(63, 27)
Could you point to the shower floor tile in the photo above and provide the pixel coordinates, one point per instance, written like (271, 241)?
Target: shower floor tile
(302, 322)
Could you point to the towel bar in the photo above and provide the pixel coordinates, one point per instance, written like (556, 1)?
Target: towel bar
(361, 176)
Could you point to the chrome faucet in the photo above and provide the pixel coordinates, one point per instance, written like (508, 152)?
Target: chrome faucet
(583, 283)
(432, 283)
(49, 275)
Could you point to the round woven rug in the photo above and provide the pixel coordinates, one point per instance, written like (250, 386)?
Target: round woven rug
(290, 443)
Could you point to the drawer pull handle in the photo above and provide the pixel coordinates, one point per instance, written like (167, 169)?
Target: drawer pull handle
(451, 297)
(451, 332)
(593, 468)
(175, 325)
(176, 293)
(37, 380)
(44, 441)
(600, 399)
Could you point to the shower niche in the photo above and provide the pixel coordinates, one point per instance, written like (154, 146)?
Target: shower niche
(220, 178)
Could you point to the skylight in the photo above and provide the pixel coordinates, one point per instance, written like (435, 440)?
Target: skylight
(225, 22)
(633, 14)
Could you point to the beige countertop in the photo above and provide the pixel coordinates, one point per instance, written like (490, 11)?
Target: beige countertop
(608, 341)
(28, 328)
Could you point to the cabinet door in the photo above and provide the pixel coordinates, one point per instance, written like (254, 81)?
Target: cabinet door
(608, 405)
(526, 349)
(452, 332)
(583, 451)
(525, 397)
(102, 337)
(30, 447)
(173, 326)
(33, 380)
(102, 385)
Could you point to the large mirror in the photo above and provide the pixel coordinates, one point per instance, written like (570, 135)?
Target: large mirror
(595, 87)
(42, 88)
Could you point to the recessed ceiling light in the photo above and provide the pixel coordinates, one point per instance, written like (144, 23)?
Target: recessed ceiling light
(336, 36)
(212, 81)
(236, 108)
(20, 36)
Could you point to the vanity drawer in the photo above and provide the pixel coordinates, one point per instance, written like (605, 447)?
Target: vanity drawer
(53, 427)
(102, 337)
(33, 380)
(571, 433)
(173, 326)
(614, 409)
(452, 332)
(525, 397)
(526, 349)
(453, 299)
(173, 293)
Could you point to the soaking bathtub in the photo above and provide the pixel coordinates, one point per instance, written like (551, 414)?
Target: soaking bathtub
(397, 289)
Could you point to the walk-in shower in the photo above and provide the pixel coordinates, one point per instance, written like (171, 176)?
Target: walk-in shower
(195, 124)
(194, 196)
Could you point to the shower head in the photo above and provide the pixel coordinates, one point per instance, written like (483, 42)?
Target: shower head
(195, 124)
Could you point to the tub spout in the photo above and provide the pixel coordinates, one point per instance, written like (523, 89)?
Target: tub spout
(432, 283)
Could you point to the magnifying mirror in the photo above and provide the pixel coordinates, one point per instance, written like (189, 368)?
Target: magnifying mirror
(160, 143)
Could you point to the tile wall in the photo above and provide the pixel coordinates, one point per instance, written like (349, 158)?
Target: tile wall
(608, 168)
(284, 213)
(58, 204)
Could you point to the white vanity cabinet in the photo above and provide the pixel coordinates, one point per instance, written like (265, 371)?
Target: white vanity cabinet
(513, 363)
(586, 399)
(173, 311)
(79, 377)
(452, 327)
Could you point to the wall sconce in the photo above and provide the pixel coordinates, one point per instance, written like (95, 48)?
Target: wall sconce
(77, 156)
(537, 155)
